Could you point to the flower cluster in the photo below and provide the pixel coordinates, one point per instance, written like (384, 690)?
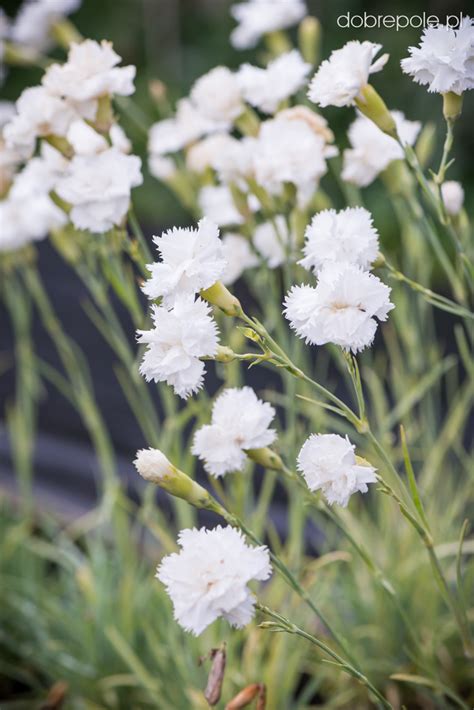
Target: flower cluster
(192, 260)
(208, 578)
(93, 176)
(240, 423)
(347, 300)
(328, 463)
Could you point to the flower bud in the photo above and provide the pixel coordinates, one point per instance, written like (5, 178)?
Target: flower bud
(371, 104)
(153, 466)
(309, 39)
(248, 122)
(65, 33)
(266, 458)
(452, 105)
(453, 197)
(224, 354)
(426, 144)
(221, 297)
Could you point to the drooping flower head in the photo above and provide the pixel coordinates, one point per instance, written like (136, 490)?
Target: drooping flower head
(98, 187)
(342, 309)
(336, 237)
(267, 88)
(90, 72)
(208, 578)
(240, 422)
(191, 260)
(328, 463)
(372, 150)
(180, 336)
(340, 79)
(444, 61)
(259, 17)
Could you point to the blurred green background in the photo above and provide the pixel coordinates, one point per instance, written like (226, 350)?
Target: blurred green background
(178, 40)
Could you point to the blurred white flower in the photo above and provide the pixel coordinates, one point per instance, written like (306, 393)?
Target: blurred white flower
(271, 241)
(259, 17)
(340, 78)
(444, 61)
(216, 203)
(84, 139)
(208, 578)
(239, 257)
(180, 336)
(28, 213)
(7, 112)
(173, 134)
(191, 260)
(90, 72)
(267, 88)
(372, 150)
(453, 196)
(119, 139)
(341, 309)
(217, 96)
(161, 167)
(288, 150)
(315, 121)
(328, 463)
(39, 114)
(205, 153)
(240, 422)
(335, 237)
(34, 20)
(98, 188)
(235, 163)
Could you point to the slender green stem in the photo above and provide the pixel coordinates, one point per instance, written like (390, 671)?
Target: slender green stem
(284, 624)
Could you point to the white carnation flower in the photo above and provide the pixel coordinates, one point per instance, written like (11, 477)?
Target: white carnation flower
(180, 336)
(217, 96)
(90, 72)
(272, 243)
(28, 213)
(444, 61)
(328, 463)
(161, 167)
(98, 188)
(152, 464)
(208, 578)
(84, 139)
(341, 309)
(315, 121)
(191, 260)
(339, 79)
(173, 134)
(39, 114)
(216, 203)
(346, 236)
(453, 196)
(7, 112)
(288, 150)
(259, 17)
(267, 88)
(119, 139)
(33, 23)
(235, 163)
(222, 445)
(372, 150)
(239, 257)
(206, 152)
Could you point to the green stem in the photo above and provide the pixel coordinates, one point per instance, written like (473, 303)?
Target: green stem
(284, 624)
